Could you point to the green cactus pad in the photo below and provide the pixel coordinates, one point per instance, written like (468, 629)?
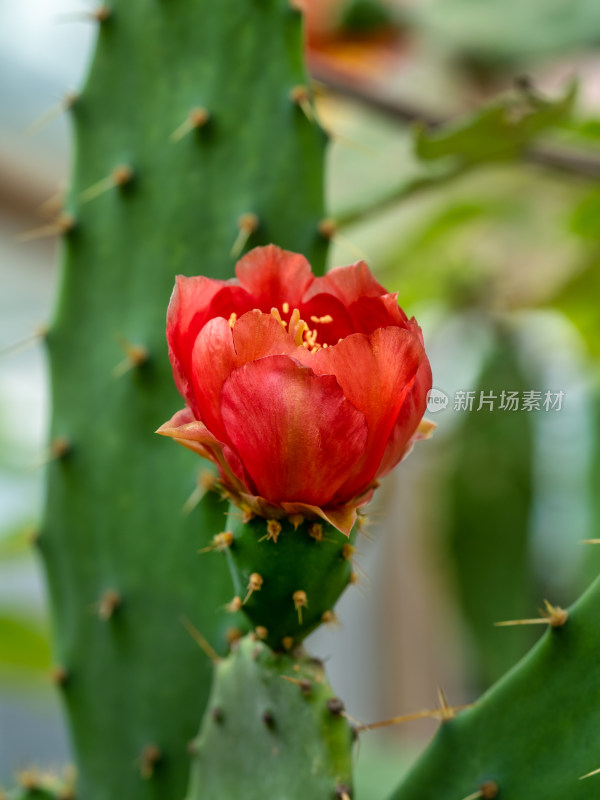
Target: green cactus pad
(157, 190)
(287, 578)
(535, 734)
(273, 729)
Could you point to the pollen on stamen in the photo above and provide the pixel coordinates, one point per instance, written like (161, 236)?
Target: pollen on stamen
(322, 320)
(286, 308)
(275, 313)
(232, 319)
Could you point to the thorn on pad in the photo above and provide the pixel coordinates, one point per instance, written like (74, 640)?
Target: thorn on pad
(197, 118)
(119, 177)
(247, 225)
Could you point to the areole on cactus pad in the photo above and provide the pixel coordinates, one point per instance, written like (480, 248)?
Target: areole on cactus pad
(303, 390)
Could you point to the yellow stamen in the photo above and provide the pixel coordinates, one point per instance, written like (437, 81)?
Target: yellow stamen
(275, 313)
(322, 320)
(232, 319)
(286, 308)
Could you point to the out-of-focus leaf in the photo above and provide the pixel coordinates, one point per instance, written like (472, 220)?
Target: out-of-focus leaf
(585, 219)
(24, 643)
(499, 130)
(497, 32)
(578, 300)
(487, 522)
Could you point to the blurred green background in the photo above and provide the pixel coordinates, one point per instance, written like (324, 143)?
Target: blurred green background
(489, 230)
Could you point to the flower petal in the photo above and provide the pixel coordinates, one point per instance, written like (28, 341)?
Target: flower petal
(194, 301)
(274, 276)
(370, 313)
(295, 432)
(409, 425)
(213, 359)
(219, 350)
(348, 284)
(190, 433)
(376, 372)
(341, 517)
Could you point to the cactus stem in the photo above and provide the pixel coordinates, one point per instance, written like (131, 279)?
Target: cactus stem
(39, 332)
(64, 223)
(300, 601)
(203, 643)
(59, 676)
(120, 176)
(487, 791)
(234, 605)
(273, 531)
(197, 118)
(110, 601)
(555, 616)
(255, 583)
(247, 225)
(135, 356)
(64, 104)
(301, 96)
(150, 757)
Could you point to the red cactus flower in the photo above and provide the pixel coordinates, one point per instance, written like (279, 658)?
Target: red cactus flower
(302, 390)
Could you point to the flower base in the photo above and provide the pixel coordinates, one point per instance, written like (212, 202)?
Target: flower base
(287, 574)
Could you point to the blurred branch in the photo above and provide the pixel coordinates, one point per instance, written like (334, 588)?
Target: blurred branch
(408, 189)
(567, 161)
